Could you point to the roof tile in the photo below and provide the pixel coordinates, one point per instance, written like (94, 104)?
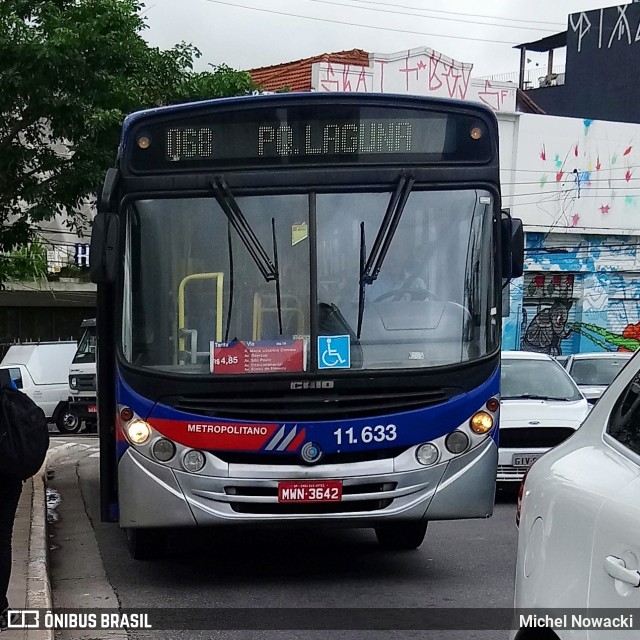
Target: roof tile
(297, 74)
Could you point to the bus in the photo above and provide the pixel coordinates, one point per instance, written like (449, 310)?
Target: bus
(299, 315)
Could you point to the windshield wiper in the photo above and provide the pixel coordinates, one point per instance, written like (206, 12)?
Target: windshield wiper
(232, 211)
(275, 261)
(370, 268)
(230, 309)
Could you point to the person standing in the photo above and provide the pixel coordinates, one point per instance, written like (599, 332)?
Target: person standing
(10, 490)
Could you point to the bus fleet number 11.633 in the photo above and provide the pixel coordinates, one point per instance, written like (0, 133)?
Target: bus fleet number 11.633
(380, 433)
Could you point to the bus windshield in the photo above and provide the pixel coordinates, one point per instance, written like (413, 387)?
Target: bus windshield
(196, 301)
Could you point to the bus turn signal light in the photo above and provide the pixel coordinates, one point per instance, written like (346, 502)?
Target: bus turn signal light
(493, 404)
(481, 422)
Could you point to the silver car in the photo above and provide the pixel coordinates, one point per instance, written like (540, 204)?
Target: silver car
(594, 372)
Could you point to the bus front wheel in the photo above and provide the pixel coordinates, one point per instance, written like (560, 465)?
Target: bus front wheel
(401, 536)
(145, 544)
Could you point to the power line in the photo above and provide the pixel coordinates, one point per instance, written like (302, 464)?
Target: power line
(366, 26)
(418, 15)
(471, 15)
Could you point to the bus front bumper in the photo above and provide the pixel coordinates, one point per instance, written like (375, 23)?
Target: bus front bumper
(374, 492)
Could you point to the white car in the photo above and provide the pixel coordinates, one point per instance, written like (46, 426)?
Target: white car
(540, 407)
(579, 537)
(594, 372)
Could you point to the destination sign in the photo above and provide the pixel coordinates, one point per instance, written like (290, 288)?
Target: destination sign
(303, 136)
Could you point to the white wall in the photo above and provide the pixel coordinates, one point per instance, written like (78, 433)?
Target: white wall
(571, 174)
(420, 72)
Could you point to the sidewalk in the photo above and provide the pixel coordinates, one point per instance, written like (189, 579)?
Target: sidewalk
(21, 531)
(29, 587)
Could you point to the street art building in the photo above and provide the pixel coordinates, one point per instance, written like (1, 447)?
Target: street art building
(574, 181)
(575, 185)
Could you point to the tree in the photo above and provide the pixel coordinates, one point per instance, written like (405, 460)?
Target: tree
(71, 70)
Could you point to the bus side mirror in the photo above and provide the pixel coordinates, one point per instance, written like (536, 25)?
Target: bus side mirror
(512, 246)
(103, 255)
(517, 248)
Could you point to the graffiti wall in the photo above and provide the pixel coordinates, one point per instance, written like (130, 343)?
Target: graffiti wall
(422, 72)
(578, 174)
(580, 293)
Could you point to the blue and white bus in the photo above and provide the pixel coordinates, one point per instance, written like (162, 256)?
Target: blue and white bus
(299, 315)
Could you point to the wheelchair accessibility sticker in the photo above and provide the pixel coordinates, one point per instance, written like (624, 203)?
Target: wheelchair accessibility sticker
(334, 352)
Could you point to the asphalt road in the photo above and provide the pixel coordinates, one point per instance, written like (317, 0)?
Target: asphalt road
(461, 564)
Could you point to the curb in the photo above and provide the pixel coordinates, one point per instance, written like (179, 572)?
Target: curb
(38, 584)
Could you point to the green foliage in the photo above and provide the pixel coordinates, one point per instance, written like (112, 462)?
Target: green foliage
(26, 263)
(71, 70)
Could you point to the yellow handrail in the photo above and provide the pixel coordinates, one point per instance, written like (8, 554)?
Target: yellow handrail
(259, 310)
(219, 278)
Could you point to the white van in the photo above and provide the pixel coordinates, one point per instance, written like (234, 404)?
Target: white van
(41, 371)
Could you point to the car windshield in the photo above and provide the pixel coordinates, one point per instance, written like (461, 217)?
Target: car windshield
(596, 371)
(202, 296)
(524, 379)
(87, 348)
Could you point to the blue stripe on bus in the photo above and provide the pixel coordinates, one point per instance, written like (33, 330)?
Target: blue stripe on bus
(411, 427)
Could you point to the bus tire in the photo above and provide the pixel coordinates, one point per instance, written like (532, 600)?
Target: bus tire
(401, 536)
(145, 544)
(67, 422)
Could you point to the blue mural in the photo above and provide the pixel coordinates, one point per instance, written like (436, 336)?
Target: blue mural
(580, 293)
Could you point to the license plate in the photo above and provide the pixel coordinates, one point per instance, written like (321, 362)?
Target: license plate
(525, 460)
(310, 491)
(92, 409)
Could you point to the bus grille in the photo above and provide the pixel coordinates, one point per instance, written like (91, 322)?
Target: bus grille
(303, 406)
(241, 457)
(522, 437)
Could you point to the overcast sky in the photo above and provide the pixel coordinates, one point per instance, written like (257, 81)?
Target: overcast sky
(231, 32)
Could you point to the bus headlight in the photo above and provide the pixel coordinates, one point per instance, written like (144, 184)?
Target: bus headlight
(193, 461)
(138, 432)
(163, 450)
(427, 454)
(457, 442)
(481, 422)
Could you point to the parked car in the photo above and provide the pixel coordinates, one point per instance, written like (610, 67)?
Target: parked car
(41, 371)
(579, 517)
(594, 372)
(562, 359)
(540, 407)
